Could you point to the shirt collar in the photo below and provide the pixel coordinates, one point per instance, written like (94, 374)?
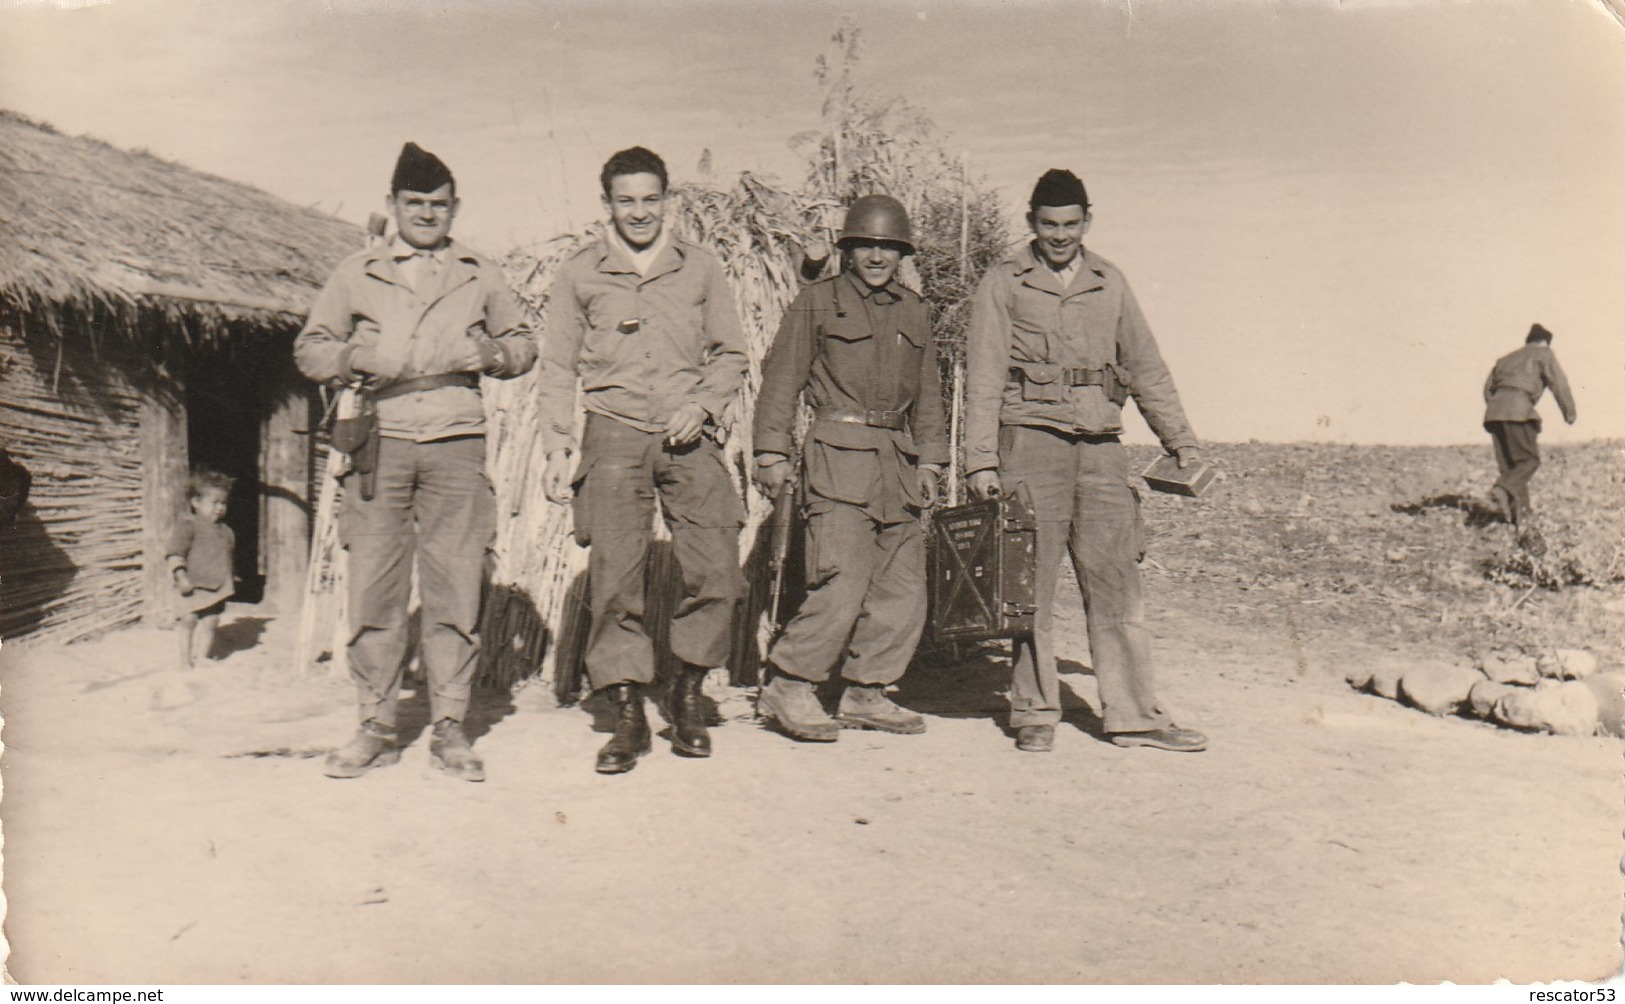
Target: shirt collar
(398, 250)
(1029, 260)
(642, 262)
(885, 295)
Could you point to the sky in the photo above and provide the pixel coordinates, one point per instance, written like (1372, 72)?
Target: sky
(1335, 215)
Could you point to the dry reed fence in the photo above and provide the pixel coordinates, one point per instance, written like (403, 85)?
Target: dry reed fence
(73, 557)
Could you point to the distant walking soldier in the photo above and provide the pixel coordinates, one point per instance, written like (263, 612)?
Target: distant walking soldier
(859, 345)
(1056, 344)
(647, 322)
(418, 319)
(1511, 391)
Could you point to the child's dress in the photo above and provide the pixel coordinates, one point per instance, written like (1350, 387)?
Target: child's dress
(204, 548)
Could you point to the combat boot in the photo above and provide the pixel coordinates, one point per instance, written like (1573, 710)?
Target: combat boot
(864, 707)
(686, 708)
(792, 703)
(449, 750)
(631, 738)
(373, 746)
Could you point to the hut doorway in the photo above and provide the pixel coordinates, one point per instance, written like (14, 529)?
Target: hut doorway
(224, 414)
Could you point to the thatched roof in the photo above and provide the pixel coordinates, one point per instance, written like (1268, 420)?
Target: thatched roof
(91, 229)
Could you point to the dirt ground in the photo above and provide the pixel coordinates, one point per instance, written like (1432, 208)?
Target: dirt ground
(165, 827)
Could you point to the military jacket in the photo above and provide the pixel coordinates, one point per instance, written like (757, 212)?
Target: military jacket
(643, 345)
(412, 332)
(1518, 380)
(856, 350)
(1023, 322)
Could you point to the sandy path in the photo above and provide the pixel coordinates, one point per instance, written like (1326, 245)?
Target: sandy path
(1327, 836)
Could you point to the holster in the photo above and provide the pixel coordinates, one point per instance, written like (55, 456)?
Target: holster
(357, 437)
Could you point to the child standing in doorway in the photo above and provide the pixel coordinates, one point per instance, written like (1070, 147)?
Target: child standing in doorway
(199, 558)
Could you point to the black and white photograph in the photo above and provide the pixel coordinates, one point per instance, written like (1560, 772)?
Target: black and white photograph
(1119, 493)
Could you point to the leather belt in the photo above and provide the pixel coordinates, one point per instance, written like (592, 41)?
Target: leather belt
(1075, 376)
(435, 382)
(872, 417)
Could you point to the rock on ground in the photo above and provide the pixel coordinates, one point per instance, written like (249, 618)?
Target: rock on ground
(1385, 679)
(1481, 700)
(1358, 675)
(1609, 690)
(1438, 688)
(1510, 667)
(1567, 710)
(1568, 664)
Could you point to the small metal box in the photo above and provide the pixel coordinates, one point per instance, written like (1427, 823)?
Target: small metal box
(982, 558)
(1164, 475)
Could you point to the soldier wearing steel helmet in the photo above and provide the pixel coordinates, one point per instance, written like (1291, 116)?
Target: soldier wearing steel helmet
(858, 345)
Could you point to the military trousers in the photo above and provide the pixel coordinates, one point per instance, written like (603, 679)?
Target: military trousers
(1081, 496)
(1517, 455)
(432, 505)
(865, 598)
(622, 470)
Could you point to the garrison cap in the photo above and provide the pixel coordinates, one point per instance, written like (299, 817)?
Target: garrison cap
(1537, 333)
(1059, 188)
(418, 170)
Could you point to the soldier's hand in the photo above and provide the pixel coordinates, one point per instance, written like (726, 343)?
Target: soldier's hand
(772, 470)
(985, 484)
(930, 475)
(1187, 455)
(685, 426)
(183, 582)
(556, 480)
(817, 251)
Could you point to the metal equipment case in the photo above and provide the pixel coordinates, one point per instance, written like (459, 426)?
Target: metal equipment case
(982, 557)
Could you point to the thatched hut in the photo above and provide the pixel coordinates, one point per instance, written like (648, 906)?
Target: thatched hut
(146, 315)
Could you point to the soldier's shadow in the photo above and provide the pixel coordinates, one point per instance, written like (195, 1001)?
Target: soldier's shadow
(974, 682)
(487, 706)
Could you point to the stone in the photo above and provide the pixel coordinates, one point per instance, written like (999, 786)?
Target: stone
(1510, 667)
(1438, 688)
(1567, 710)
(1482, 698)
(1385, 679)
(1358, 675)
(1609, 690)
(1575, 663)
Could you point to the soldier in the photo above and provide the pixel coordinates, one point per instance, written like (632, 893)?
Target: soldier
(418, 319)
(860, 347)
(647, 322)
(1511, 391)
(1056, 344)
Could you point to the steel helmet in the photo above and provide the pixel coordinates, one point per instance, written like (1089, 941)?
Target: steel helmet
(877, 218)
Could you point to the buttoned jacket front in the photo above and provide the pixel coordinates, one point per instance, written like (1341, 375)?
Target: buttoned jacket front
(642, 345)
(855, 350)
(1023, 320)
(463, 309)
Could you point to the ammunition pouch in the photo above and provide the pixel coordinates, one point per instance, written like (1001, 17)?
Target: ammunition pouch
(1048, 382)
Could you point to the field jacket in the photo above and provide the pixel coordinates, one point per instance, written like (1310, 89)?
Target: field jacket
(643, 346)
(411, 333)
(856, 350)
(1026, 331)
(1518, 380)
